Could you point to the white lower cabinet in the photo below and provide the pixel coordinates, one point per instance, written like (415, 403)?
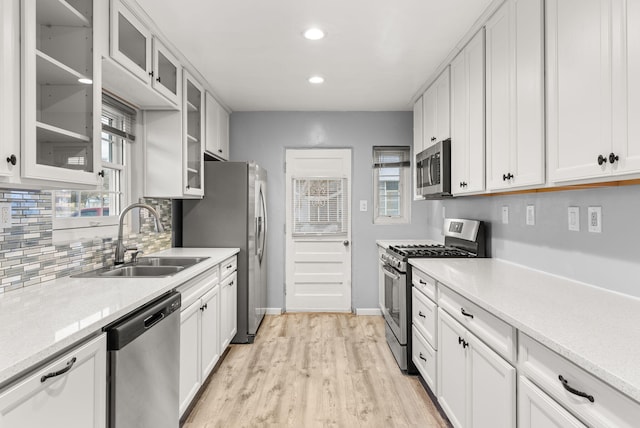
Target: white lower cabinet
(476, 387)
(228, 309)
(69, 392)
(199, 339)
(537, 410)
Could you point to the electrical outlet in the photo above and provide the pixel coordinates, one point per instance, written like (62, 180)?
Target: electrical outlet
(505, 214)
(574, 218)
(5, 215)
(531, 215)
(595, 219)
(363, 205)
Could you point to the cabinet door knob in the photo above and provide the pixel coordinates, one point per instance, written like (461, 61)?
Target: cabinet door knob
(219, 150)
(421, 314)
(151, 73)
(12, 159)
(460, 340)
(433, 138)
(613, 158)
(601, 160)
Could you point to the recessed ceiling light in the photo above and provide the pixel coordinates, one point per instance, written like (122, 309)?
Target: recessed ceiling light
(316, 80)
(314, 34)
(85, 81)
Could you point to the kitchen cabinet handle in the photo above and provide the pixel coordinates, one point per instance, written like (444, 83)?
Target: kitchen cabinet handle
(219, 150)
(158, 79)
(601, 160)
(59, 372)
(433, 138)
(151, 73)
(229, 267)
(422, 282)
(565, 384)
(460, 340)
(12, 160)
(507, 176)
(465, 344)
(421, 314)
(422, 357)
(613, 158)
(465, 313)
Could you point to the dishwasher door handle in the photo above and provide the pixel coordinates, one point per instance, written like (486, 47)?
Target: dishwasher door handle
(154, 319)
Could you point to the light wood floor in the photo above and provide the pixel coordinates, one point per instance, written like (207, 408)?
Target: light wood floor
(314, 370)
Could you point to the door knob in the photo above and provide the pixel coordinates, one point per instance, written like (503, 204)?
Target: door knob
(345, 243)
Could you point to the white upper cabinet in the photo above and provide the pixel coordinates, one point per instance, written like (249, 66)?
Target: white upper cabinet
(60, 132)
(467, 118)
(193, 138)
(593, 89)
(216, 129)
(515, 96)
(156, 72)
(9, 90)
(417, 142)
(435, 109)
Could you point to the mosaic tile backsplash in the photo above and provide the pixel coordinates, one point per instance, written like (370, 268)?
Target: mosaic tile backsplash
(28, 255)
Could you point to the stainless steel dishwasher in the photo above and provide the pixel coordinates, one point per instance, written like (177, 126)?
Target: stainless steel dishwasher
(144, 366)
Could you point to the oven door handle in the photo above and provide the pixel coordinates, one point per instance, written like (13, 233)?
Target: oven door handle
(391, 273)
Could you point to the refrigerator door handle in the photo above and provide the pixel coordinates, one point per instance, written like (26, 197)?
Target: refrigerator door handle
(263, 221)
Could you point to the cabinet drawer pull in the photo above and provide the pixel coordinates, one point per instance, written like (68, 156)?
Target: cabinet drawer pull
(422, 282)
(59, 372)
(565, 384)
(421, 314)
(229, 267)
(465, 313)
(422, 357)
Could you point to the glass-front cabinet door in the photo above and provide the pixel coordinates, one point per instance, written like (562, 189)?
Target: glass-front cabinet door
(166, 72)
(130, 41)
(59, 92)
(193, 143)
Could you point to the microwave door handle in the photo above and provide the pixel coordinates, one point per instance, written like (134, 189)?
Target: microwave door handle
(429, 173)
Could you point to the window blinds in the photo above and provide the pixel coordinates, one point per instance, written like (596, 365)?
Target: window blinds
(118, 119)
(391, 157)
(319, 206)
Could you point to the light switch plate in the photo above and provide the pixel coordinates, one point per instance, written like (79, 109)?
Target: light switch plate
(595, 219)
(574, 218)
(531, 215)
(363, 205)
(5, 215)
(505, 214)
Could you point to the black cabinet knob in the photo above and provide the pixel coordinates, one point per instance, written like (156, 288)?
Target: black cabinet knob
(613, 158)
(433, 138)
(151, 73)
(12, 159)
(158, 79)
(601, 160)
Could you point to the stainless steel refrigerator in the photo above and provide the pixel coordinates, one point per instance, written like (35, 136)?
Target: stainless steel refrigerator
(233, 213)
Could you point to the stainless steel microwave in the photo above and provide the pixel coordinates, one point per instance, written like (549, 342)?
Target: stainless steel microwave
(433, 171)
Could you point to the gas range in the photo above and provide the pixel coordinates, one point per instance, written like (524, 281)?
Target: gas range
(462, 238)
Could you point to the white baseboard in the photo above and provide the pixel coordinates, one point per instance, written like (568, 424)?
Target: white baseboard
(368, 311)
(273, 311)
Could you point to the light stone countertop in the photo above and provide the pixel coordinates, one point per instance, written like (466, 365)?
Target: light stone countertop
(597, 329)
(41, 321)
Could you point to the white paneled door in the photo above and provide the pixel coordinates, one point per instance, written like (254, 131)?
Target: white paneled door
(318, 230)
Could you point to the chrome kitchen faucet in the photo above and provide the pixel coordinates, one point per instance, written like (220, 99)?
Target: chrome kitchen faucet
(120, 248)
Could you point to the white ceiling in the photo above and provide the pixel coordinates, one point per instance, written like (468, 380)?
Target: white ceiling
(376, 56)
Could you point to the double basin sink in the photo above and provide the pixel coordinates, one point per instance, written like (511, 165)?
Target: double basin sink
(145, 267)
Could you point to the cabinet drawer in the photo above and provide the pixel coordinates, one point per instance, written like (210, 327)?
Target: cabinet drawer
(425, 316)
(493, 331)
(228, 266)
(609, 408)
(194, 289)
(424, 283)
(535, 409)
(424, 357)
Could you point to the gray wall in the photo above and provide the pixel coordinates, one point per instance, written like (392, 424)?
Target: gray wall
(264, 136)
(610, 259)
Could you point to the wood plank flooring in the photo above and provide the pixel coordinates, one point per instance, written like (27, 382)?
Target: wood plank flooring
(314, 370)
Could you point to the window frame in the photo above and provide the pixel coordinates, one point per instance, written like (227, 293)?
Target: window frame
(70, 228)
(404, 188)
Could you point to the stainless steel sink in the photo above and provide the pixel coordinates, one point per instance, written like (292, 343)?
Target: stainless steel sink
(145, 267)
(143, 271)
(169, 261)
